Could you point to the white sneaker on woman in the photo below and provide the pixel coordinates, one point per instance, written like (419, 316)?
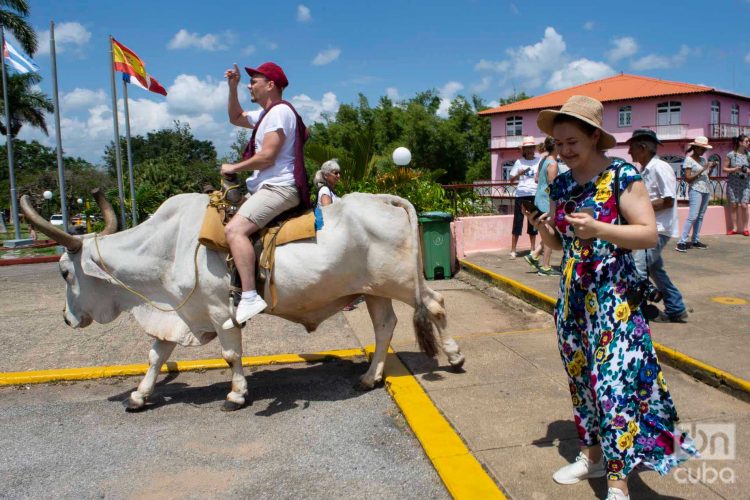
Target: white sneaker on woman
(616, 494)
(582, 468)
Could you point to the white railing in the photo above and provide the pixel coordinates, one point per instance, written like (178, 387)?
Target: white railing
(673, 131)
(724, 130)
(506, 141)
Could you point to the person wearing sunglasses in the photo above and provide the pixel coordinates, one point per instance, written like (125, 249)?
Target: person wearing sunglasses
(325, 180)
(599, 212)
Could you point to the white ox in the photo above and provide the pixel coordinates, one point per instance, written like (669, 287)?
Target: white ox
(369, 245)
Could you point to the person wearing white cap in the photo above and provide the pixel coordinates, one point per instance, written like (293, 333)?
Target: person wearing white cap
(696, 170)
(524, 172)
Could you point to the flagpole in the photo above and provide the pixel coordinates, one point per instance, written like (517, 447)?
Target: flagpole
(133, 211)
(9, 144)
(58, 133)
(118, 163)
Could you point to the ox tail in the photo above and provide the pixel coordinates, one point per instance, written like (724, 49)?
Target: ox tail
(427, 309)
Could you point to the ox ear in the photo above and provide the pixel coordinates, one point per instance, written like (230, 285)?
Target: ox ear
(91, 267)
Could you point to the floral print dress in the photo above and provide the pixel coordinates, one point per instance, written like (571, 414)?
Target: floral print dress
(620, 398)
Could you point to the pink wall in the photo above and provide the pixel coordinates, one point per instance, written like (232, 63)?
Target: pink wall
(695, 113)
(492, 233)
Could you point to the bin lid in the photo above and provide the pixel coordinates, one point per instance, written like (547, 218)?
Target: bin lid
(435, 217)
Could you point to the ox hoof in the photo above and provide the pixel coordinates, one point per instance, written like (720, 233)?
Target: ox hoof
(458, 363)
(133, 406)
(365, 386)
(231, 406)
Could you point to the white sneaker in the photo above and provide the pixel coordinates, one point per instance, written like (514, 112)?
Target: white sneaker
(582, 468)
(512, 255)
(246, 310)
(616, 494)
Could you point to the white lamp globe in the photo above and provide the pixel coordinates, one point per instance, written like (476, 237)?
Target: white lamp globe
(79, 201)
(401, 156)
(47, 195)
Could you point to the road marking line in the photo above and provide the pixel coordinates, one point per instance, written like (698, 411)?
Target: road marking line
(460, 471)
(692, 366)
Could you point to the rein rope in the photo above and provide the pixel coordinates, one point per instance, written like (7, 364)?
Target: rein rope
(143, 297)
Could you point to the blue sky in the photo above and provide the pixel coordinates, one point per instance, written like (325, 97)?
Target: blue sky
(333, 50)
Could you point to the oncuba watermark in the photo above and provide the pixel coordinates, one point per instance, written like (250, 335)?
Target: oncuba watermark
(714, 441)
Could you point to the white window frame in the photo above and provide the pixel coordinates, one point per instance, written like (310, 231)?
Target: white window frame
(625, 116)
(668, 113)
(734, 117)
(715, 112)
(514, 126)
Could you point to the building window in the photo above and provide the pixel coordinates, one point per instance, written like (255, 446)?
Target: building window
(715, 112)
(734, 118)
(625, 115)
(668, 113)
(514, 126)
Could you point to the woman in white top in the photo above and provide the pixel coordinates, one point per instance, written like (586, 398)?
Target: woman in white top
(325, 180)
(696, 174)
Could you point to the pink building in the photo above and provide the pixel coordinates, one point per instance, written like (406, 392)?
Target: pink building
(678, 112)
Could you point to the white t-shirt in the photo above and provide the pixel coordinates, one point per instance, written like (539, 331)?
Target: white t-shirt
(526, 183)
(331, 194)
(661, 182)
(281, 173)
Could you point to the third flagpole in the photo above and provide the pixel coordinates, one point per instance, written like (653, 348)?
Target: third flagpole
(118, 163)
(134, 212)
(58, 133)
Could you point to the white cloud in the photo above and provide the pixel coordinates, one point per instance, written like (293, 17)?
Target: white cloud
(303, 14)
(747, 56)
(392, 93)
(250, 49)
(514, 8)
(577, 72)
(589, 25)
(192, 96)
(82, 98)
(625, 46)
(655, 61)
(326, 57)
(312, 110)
(483, 85)
(68, 36)
(530, 63)
(210, 42)
(446, 93)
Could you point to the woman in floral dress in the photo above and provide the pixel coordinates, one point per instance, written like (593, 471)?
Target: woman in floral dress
(622, 408)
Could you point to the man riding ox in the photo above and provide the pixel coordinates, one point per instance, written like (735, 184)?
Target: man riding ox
(177, 289)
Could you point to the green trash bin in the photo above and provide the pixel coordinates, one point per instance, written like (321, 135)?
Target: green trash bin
(436, 244)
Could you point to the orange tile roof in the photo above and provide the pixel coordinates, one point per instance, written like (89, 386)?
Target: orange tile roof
(614, 88)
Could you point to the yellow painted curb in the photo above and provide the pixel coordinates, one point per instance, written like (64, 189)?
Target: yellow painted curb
(459, 470)
(680, 360)
(94, 372)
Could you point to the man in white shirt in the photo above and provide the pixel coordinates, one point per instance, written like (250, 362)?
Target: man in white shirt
(524, 172)
(661, 184)
(271, 156)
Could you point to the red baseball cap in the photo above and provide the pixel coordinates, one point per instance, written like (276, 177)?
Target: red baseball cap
(272, 71)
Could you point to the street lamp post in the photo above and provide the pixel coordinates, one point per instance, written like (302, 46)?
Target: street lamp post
(47, 196)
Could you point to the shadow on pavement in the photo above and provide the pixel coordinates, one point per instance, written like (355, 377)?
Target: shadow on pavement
(284, 388)
(420, 364)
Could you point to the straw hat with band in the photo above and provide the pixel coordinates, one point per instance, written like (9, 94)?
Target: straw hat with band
(701, 142)
(528, 142)
(583, 108)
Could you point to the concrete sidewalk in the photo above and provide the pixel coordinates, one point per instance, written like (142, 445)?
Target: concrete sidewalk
(512, 405)
(716, 289)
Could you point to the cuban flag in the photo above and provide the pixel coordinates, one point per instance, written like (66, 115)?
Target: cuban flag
(17, 61)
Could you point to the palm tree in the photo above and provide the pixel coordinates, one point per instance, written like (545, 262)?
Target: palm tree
(27, 104)
(12, 18)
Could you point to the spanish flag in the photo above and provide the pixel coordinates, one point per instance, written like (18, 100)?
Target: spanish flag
(126, 61)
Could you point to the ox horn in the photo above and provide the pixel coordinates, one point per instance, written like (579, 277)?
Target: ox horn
(69, 241)
(110, 219)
